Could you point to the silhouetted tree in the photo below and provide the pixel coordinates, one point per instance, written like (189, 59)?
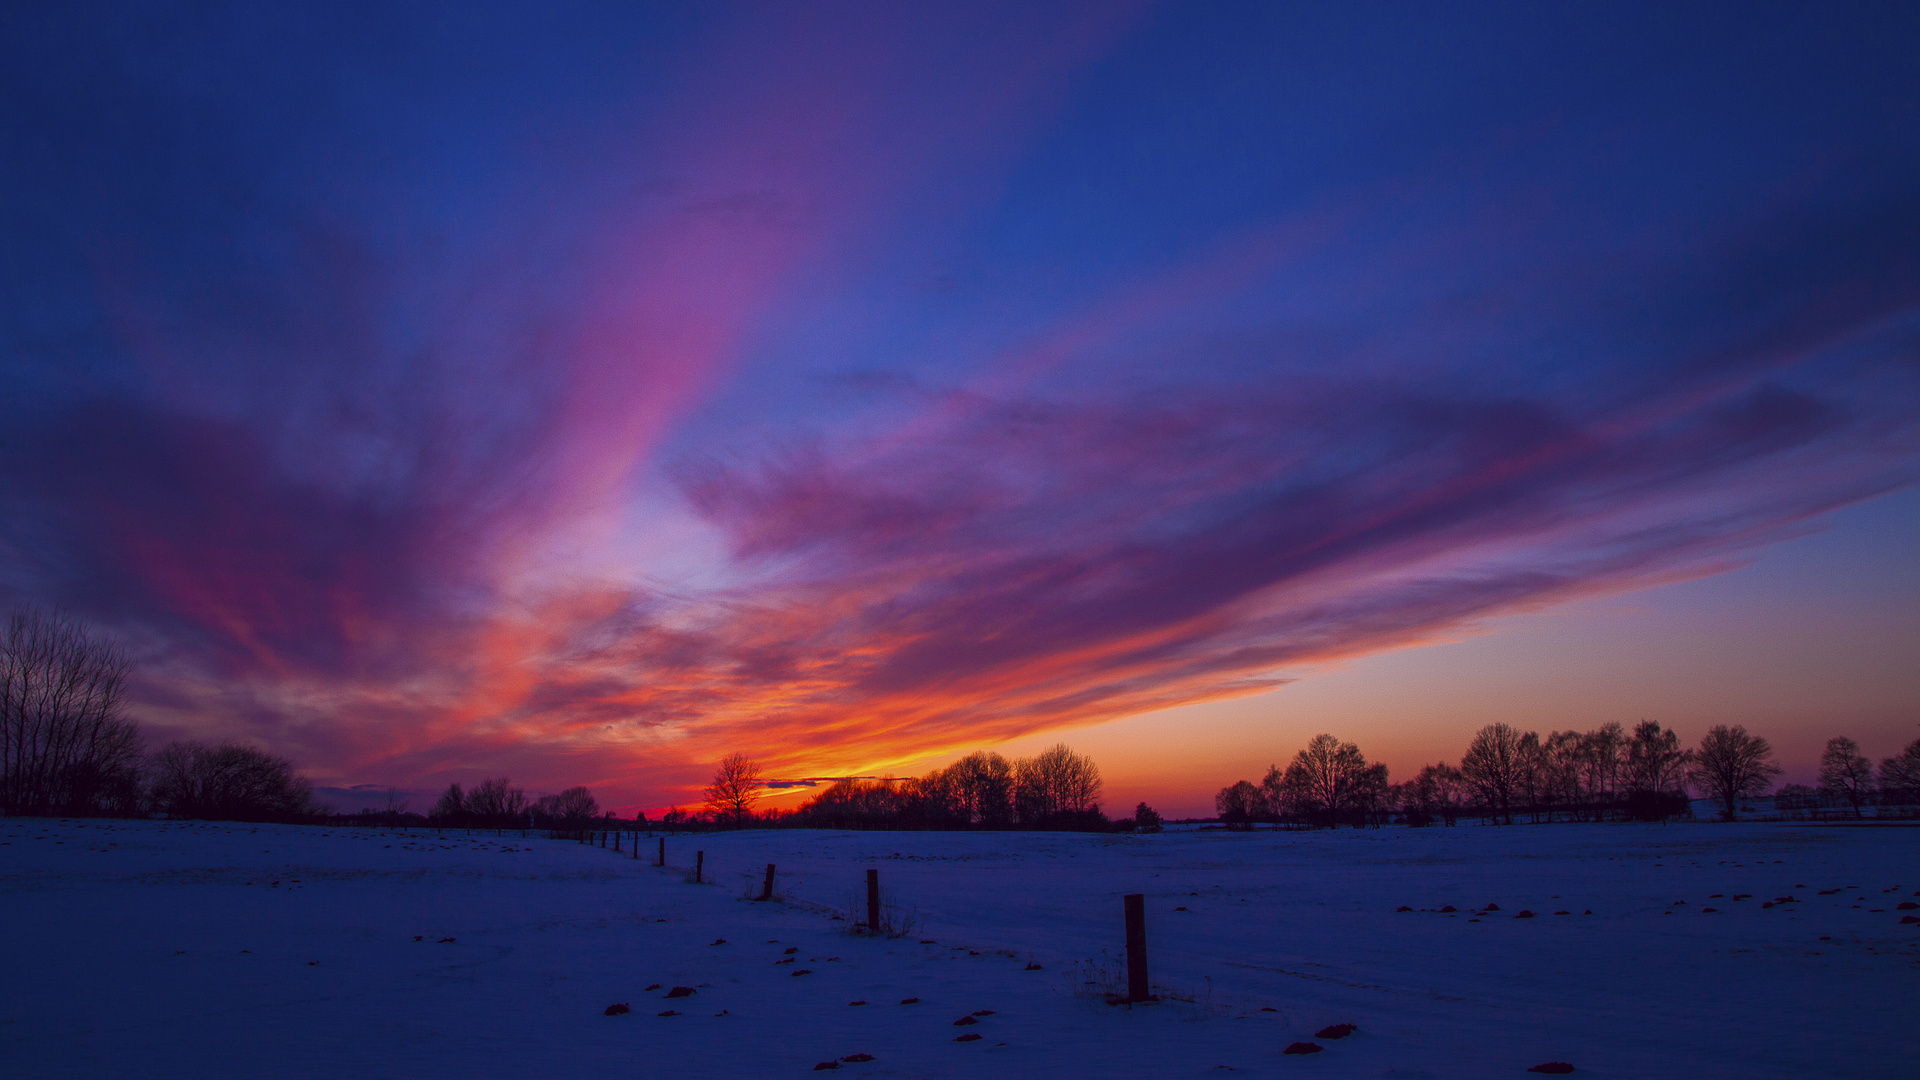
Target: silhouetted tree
(1330, 778)
(1846, 773)
(735, 788)
(1562, 772)
(855, 804)
(1794, 798)
(451, 807)
(1435, 791)
(1053, 784)
(1146, 818)
(1655, 762)
(1494, 765)
(64, 747)
(982, 788)
(930, 802)
(230, 782)
(1602, 754)
(576, 804)
(1238, 804)
(1900, 776)
(1273, 795)
(495, 802)
(1731, 764)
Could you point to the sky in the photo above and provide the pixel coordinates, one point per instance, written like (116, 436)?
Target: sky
(580, 393)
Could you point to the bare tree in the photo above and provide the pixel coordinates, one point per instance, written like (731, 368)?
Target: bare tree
(64, 747)
(1434, 792)
(1655, 762)
(229, 782)
(1732, 764)
(1239, 804)
(1900, 776)
(497, 801)
(1495, 765)
(1846, 773)
(982, 788)
(452, 805)
(735, 787)
(1601, 754)
(1054, 782)
(1273, 794)
(573, 804)
(1562, 772)
(1329, 777)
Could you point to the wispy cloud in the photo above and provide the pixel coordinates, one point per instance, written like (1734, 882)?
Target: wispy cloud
(376, 501)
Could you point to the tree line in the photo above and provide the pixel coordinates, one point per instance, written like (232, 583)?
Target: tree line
(494, 803)
(1054, 789)
(1602, 774)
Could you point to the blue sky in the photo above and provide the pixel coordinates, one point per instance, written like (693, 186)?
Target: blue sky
(585, 393)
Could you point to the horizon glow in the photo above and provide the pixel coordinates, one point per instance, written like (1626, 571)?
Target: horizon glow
(442, 393)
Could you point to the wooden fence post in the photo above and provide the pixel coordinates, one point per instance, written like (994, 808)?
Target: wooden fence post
(873, 901)
(699, 865)
(1137, 987)
(766, 890)
(663, 853)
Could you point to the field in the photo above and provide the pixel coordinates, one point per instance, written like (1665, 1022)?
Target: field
(192, 949)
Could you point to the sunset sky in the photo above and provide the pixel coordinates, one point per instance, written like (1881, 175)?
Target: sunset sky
(581, 393)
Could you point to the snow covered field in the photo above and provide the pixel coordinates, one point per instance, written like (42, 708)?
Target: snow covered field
(191, 949)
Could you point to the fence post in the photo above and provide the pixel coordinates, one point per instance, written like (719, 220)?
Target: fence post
(873, 901)
(699, 865)
(766, 890)
(663, 853)
(1137, 987)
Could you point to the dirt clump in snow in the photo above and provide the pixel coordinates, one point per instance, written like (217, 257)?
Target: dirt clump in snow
(1552, 1067)
(1335, 1031)
(1303, 1048)
(968, 1037)
(618, 1008)
(682, 991)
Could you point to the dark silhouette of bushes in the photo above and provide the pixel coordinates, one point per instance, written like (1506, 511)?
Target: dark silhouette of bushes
(228, 782)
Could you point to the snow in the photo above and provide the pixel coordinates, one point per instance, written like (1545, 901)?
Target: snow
(194, 949)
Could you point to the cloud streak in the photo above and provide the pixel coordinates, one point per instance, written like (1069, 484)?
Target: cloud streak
(530, 490)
